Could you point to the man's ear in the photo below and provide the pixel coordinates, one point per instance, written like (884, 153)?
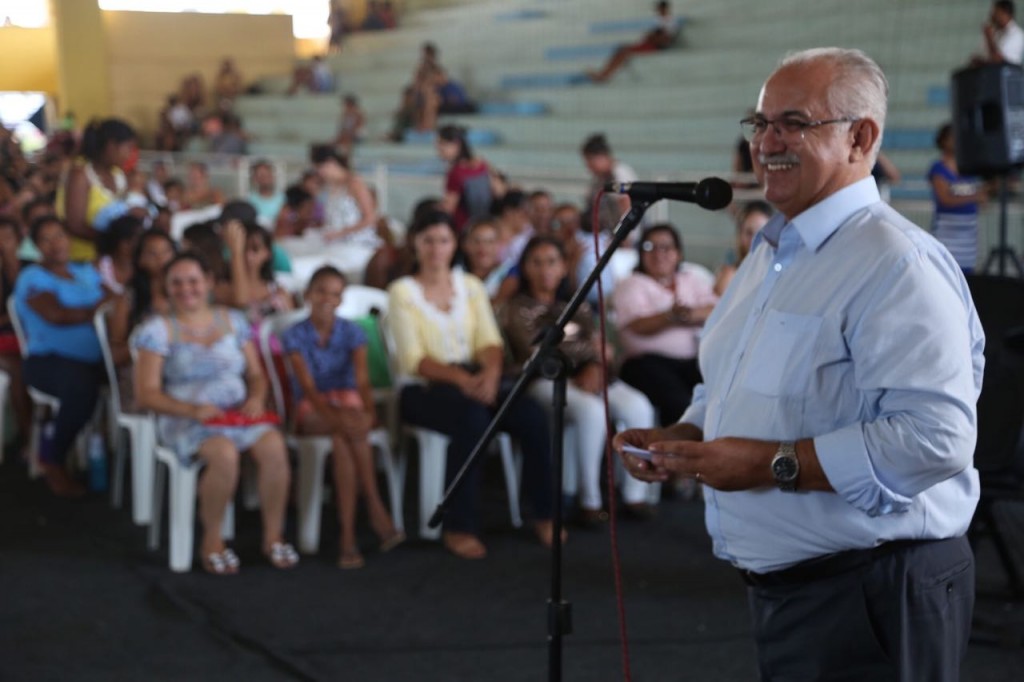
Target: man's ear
(865, 133)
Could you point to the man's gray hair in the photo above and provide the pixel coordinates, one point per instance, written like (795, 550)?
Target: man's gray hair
(859, 90)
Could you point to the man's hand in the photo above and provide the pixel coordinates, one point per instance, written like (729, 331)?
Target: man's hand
(724, 464)
(643, 438)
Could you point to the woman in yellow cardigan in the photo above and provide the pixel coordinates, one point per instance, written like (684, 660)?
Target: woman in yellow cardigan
(450, 353)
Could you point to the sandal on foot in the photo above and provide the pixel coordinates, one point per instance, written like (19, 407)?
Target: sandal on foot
(464, 545)
(282, 555)
(351, 559)
(224, 562)
(392, 541)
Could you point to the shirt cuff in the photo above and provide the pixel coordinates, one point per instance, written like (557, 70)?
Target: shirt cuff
(844, 458)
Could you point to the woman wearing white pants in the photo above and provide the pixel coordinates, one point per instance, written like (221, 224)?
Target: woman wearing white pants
(540, 299)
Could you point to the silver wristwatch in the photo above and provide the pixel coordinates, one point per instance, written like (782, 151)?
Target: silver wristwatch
(786, 467)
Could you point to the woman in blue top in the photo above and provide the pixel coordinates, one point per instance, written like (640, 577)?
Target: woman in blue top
(956, 197)
(55, 301)
(328, 358)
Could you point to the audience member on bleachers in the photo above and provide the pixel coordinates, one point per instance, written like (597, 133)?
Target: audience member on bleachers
(222, 134)
(94, 182)
(10, 351)
(480, 249)
(468, 187)
(578, 244)
(427, 80)
(337, 22)
(55, 301)
(145, 296)
(1002, 36)
(252, 287)
(742, 165)
(514, 228)
(659, 311)
(404, 116)
(205, 239)
(30, 212)
(352, 126)
(749, 221)
(540, 209)
(174, 193)
(264, 195)
(115, 248)
(661, 37)
(447, 338)
(193, 96)
(605, 168)
(199, 193)
(886, 174)
(297, 215)
(228, 84)
(349, 214)
(174, 125)
(380, 16)
(543, 293)
(333, 396)
(198, 370)
(158, 175)
(392, 259)
(312, 183)
(956, 198)
(321, 76)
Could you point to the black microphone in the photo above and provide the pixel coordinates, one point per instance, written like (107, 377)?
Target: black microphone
(709, 193)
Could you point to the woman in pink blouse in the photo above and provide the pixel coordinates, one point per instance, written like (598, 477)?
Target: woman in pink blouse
(659, 311)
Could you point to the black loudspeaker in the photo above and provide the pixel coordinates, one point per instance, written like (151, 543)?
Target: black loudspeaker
(988, 118)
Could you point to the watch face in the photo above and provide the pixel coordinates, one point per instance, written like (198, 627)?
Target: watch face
(785, 468)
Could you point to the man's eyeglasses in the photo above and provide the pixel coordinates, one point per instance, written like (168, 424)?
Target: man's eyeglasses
(660, 248)
(789, 128)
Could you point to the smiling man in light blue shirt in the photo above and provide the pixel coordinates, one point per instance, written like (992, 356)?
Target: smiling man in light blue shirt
(835, 428)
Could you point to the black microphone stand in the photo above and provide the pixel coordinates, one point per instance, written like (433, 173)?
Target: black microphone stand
(551, 364)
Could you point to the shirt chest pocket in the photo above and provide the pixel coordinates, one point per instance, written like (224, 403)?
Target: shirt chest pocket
(782, 356)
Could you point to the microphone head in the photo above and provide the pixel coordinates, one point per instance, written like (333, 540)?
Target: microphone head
(713, 193)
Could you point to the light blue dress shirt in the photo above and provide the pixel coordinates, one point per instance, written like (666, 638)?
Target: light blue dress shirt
(852, 326)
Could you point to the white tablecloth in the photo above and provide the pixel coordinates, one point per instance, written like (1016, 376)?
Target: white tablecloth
(309, 252)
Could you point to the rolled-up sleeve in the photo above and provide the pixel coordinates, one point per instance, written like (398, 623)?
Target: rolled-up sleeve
(917, 353)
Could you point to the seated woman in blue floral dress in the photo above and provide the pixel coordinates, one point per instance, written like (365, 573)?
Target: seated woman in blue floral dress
(197, 368)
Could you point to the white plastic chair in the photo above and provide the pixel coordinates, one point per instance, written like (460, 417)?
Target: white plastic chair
(313, 451)
(141, 436)
(433, 452)
(182, 481)
(41, 402)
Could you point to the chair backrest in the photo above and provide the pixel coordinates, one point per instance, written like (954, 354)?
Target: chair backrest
(1000, 305)
(19, 331)
(99, 322)
(274, 326)
(360, 300)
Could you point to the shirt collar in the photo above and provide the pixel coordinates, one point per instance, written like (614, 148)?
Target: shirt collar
(817, 223)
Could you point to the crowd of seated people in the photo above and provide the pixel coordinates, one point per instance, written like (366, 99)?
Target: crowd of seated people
(97, 230)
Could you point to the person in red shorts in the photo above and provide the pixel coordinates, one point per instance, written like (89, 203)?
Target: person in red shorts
(658, 38)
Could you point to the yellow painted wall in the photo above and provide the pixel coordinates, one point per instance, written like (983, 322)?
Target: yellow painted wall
(29, 57)
(82, 72)
(150, 52)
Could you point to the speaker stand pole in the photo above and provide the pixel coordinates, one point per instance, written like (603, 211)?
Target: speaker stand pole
(1003, 252)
